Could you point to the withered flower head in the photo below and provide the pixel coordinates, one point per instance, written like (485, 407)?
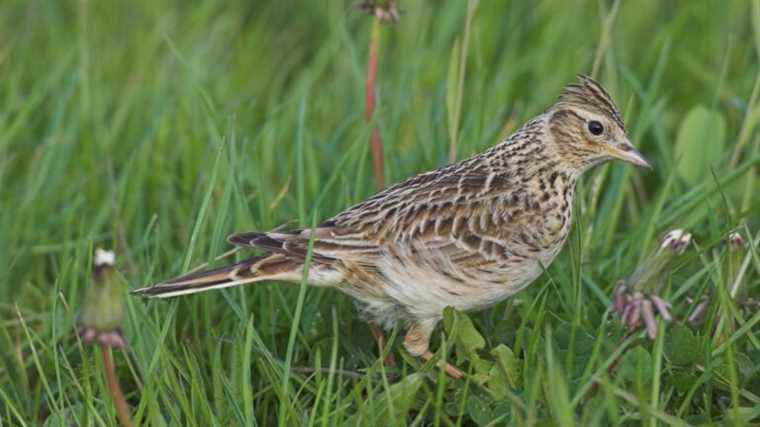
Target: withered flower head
(384, 10)
(636, 299)
(103, 309)
(676, 240)
(697, 317)
(736, 241)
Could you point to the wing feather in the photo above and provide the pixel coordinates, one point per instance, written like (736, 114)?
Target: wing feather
(451, 211)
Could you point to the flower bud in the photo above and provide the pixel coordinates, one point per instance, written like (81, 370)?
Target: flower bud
(636, 299)
(649, 274)
(697, 317)
(736, 242)
(676, 240)
(383, 10)
(103, 309)
(737, 251)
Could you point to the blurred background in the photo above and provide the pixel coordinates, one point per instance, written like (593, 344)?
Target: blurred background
(156, 128)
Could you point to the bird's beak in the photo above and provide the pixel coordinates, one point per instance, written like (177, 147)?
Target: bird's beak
(625, 152)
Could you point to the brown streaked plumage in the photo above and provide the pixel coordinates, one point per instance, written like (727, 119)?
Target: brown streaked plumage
(466, 235)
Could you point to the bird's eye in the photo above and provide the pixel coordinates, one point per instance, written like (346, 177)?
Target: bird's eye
(595, 127)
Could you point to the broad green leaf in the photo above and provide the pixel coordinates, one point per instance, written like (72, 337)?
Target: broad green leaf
(497, 382)
(468, 336)
(479, 410)
(636, 363)
(682, 347)
(449, 321)
(683, 380)
(461, 330)
(482, 369)
(700, 142)
(401, 396)
(403, 392)
(745, 369)
(509, 364)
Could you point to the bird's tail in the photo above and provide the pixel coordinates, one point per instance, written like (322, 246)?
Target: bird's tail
(255, 269)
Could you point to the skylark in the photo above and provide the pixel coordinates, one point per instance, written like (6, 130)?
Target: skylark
(466, 235)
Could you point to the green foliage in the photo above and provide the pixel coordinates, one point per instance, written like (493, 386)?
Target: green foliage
(507, 365)
(700, 144)
(392, 404)
(636, 365)
(461, 330)
(157, 128)
(682, 347)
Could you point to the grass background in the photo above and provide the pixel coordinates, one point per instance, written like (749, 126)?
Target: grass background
(157, 128)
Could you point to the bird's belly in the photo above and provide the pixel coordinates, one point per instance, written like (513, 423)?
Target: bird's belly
(424, 287)
(425, 293)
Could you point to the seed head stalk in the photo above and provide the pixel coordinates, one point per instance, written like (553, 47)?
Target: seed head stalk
(375, 143)
(100, 323)
(122, 408)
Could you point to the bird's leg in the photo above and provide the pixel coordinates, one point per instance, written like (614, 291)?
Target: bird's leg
(377, 332)
(452, 370)
(417, 341)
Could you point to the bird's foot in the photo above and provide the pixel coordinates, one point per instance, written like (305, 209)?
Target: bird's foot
(389, 360)
(450, 369)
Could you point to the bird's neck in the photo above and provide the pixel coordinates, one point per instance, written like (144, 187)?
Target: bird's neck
(532, 162)
(530, 153)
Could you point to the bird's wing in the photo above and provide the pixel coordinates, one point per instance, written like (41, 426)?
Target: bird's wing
(453, 211)
(451, 208)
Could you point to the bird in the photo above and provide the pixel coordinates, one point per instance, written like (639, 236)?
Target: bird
(467, 235)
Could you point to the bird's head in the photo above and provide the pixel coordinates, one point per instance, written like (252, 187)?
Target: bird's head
(587, 128)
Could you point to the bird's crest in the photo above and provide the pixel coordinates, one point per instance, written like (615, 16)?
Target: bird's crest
(587, 92)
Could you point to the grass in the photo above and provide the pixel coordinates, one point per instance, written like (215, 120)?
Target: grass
(157, 128)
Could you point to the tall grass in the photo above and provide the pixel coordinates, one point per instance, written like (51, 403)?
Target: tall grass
(157, 128)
